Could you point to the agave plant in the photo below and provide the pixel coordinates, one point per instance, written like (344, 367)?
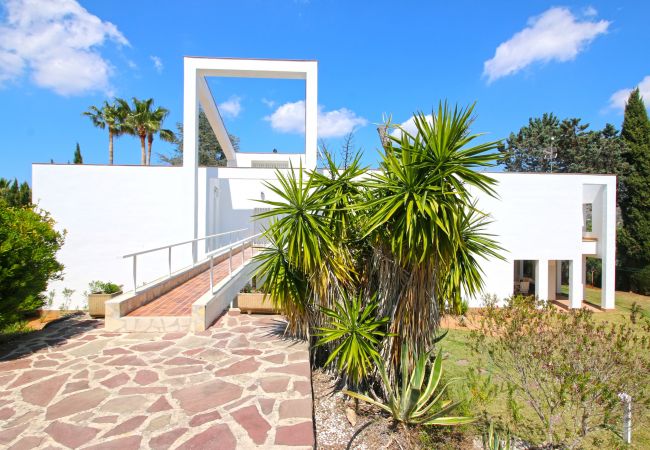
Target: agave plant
(492, 440)
(357, 333)
(415, 398)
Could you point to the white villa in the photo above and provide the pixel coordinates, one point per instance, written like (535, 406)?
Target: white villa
(115, 214)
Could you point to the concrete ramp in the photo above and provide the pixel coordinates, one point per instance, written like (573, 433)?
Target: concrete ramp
(188, 301)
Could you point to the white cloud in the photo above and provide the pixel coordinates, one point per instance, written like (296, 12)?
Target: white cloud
(267, 102)
(619, 98)
(555, 35)
(56, 42)
(157, 63)
(231, 107)
(590, 11)
(290, 118)
(338, 122)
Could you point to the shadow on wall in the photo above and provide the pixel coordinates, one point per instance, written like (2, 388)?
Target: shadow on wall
(222, 215)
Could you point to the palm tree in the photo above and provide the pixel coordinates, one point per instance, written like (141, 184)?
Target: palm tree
(138, 121)
(111, 116)
(158, 116)
(144, 122)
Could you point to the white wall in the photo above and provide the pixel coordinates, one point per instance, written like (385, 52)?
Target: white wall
(539, 217)
(109, 211)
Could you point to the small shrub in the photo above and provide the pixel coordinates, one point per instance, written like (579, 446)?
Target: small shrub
(67, 299)
(414, 398)
(103, 287)
(566, 368)
(28, 246)
(635, 312)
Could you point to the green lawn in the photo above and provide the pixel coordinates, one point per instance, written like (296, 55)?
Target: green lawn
(460, 358)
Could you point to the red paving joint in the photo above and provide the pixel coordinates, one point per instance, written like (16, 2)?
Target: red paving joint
(178, 301)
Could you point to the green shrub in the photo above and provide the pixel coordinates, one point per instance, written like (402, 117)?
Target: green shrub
(566, 368)
(414, 398)
(640, 281)
(103, 287)
(28, 246)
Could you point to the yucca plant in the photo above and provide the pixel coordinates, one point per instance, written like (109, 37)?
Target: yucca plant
(417, 210)
(283, 283)
(356, 332)
(414, 398)
(306, 240)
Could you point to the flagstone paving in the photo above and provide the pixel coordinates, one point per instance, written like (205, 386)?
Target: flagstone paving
(239, 384)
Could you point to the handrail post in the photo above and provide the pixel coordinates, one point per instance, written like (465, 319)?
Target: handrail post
(135, 268)
(211, 287)
(169, 260)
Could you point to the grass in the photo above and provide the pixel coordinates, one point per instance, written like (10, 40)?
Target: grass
(14, 331)
(624, 302)
(460, 358)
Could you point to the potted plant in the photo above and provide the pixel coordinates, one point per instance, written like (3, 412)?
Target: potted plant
(251, 300)
(100, 292)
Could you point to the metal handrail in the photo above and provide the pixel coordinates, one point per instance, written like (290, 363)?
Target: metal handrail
(169, 253)
(184, 242)
(229, 248)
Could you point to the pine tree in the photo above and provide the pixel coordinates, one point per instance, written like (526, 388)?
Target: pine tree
(634, 237)
(78, 159)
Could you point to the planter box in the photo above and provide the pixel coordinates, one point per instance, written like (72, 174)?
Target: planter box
(96, 303)
(255, 303)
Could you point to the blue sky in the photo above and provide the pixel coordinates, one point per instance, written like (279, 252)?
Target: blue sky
(515, 59)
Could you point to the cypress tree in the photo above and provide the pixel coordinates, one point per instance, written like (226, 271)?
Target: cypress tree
(634, 237)
(78, 159)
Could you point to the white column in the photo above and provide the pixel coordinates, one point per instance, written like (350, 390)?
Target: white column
(521, 269)
(575, 283)
(558, 276)
(541, 279)
(608, 294)
(311, 117)
(191, 145)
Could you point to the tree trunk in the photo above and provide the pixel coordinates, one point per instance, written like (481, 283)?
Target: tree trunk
(143, 154)
(150, 142)
(110, 146)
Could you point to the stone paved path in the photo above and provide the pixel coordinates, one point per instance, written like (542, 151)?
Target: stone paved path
(237, 385)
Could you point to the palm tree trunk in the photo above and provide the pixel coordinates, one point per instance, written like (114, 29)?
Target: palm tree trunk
(143, 154)
(150, 142)
(110, 146)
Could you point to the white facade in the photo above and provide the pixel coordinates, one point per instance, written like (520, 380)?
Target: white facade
(112, 211)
